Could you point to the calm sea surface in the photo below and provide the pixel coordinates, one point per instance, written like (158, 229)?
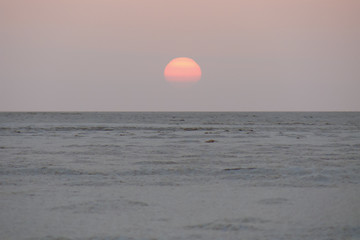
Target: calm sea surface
(192, 175)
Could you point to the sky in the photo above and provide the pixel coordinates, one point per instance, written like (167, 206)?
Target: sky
(109, 55)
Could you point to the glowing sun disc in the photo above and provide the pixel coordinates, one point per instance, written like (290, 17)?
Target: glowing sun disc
(182, 69)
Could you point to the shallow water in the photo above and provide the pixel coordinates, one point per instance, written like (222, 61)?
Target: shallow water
(184, 175)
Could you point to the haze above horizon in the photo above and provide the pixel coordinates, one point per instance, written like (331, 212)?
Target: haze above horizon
(255, 55)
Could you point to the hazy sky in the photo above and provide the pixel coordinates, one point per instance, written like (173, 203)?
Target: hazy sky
(109, 55)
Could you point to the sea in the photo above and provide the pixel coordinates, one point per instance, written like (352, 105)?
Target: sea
(179, 175)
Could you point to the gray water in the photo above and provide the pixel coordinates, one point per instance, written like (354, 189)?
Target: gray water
(193, 175)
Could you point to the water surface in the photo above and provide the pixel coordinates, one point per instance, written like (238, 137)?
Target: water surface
(166, 175)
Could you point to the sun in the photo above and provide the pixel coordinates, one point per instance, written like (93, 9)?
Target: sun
(182, 69)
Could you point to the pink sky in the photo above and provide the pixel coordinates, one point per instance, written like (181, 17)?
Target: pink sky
(109, 55)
